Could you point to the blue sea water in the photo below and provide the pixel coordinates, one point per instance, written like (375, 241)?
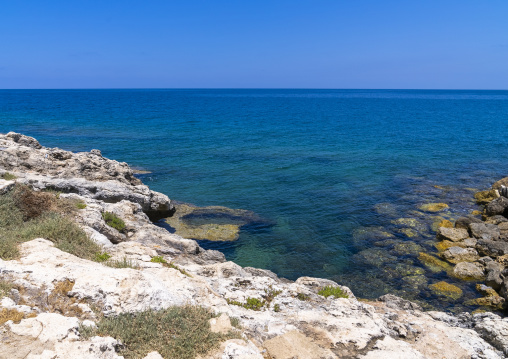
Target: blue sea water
(331, 169)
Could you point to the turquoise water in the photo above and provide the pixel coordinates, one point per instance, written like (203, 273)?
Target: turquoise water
(315, 163)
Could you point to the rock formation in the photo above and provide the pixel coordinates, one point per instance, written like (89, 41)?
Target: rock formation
(54, 296)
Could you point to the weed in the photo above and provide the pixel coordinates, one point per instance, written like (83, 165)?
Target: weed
(276, 308)
(270, 294)
(5, 288)
(8, 176)
(10, 314)
(160, 259)
(80, 205)
(101, 257)
(113, 221)
(123, 263)
(329, 290)
(235, 322)
(251, 303)
(175, 332)
(302, 297)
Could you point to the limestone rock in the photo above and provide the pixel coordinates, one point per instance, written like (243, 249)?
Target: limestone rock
(221, 324)
(389, 348)
(459, 254)
(492, 248)
(484, 231)
(295, 344)
(5, 186)
(493, 329)
(497, 206)
(469, 271)
(452, 234)
(237, 349)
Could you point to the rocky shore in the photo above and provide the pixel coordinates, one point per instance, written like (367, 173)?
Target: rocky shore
(52, 300)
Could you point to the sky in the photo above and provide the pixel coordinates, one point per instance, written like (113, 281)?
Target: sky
(254, 44)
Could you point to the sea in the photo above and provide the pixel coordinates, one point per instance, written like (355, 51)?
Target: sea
(339, 175)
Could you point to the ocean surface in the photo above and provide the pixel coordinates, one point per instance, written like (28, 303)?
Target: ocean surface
(332, 171)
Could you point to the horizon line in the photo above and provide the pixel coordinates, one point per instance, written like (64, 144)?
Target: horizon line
(252, 88)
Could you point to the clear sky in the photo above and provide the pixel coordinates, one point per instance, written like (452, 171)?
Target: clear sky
(446, 44)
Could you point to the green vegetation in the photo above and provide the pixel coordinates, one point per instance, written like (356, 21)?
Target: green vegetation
(175, 332)
(80, 205)
(329, 290)
(5, 288)
(113, 221)
(123, 263)
(101, 257)
(302, 297)
(276, 308)
(160, 259)
(235, 322)
(257, 304)
(26, 214)
(8, 176)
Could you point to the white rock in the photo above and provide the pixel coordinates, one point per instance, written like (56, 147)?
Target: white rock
(238, 350)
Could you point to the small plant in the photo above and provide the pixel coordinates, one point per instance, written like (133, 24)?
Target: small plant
(158, 259)
(270, 294)
(329, 290)
(235, 322)
(123, 263)
(8, 176)
(303, 297)
(251, 303)
(101, 257)
(175, 332)
(5, 288)
(113, 221)
(80, 205)
(276, 308)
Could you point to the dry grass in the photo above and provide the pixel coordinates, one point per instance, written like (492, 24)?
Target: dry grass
(26, 214)
(10, 314)
(5, 288)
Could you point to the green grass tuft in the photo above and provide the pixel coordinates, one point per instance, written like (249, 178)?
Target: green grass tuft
(302, 297)
(101, 257)
(123, 263)
(113, 221)
(80, 205)
(158, 259)
(8, 176)
(331, 290)
(175, 332)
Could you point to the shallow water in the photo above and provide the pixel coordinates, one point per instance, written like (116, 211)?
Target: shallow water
(323, 166)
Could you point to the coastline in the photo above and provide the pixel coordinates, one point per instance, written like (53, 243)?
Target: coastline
(297, 314)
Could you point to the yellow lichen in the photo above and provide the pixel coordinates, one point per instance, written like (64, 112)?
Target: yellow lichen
(433, 263)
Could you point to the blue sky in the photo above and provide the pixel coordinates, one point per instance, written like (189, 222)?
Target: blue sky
(254, 44)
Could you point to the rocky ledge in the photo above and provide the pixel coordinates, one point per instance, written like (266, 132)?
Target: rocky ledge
(52, 298)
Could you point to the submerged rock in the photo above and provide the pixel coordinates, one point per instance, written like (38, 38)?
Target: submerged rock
(433, 207)
(446, 290)
(469, 271)
(452, 234)
(459, 254)
(433, 263)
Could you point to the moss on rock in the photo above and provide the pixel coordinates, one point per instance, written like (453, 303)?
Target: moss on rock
(446, 290)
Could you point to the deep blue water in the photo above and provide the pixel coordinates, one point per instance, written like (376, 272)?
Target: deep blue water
(315, 162)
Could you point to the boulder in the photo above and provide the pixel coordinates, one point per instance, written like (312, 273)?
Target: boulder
(484, 231)
(493, 329)
(484, 197)
(452, 234)
(433, 207)
(492, 248)
(464, 222)
(497, 207)
(494, 275)
(459, 254)
(497, 219)
(502, 182)
(469, 271)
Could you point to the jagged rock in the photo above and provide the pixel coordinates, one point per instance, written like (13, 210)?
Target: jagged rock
(464, 222)
(5, 186)
(492, 248)
(484, 231)
(498, 219)
(494, 275)
(491, 297)
(392, 301)
(469, 271)
(389, 348)
(459, 254)
(484, 197)
(493, 329)
(452, 234)
(497, 206)
(502, 182)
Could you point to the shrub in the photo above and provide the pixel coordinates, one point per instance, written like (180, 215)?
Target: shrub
(80, 205)
(276, 308)
(329, 290)
(302, 297)
(158, 259)
(251, 303)
(8, 176)
(113, 221)
(175, 332)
